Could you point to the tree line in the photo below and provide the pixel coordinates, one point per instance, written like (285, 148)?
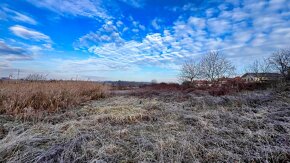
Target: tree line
(214, 65)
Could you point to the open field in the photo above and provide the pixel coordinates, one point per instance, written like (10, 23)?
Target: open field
(171, 126)
(141, 81)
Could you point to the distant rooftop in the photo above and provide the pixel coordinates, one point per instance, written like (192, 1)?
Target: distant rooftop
(263, 74)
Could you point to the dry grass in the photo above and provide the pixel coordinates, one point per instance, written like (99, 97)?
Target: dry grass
(245, 127)
(29, 98)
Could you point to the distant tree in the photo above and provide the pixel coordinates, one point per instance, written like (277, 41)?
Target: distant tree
(214, 65)
(262, 66)
(153, 81)
(254, 67)
(190, 70)
(36, 77)
(280, 61)
(11, 76)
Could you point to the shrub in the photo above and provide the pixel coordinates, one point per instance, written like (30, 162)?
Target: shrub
(219, 91)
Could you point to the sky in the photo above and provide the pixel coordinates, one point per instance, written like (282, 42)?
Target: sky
(135, 40)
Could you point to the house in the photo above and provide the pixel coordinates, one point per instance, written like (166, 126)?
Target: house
(201, 83)
(5, 78)
(261, 77)
(10, 77)
(230, 82)
(219, 82)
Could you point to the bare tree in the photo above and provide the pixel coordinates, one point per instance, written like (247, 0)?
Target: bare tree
(214, 65)
(254, 67)
(11, 76)
(280, 60)
(261, 66)
(265, 66)
(36, 77)
(190, 70)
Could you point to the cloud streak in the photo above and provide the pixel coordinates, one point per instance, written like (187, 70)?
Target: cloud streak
(135, 3)
(86, 8)
(27, 33)
(8, 50)
(17, 16)
(12, 53)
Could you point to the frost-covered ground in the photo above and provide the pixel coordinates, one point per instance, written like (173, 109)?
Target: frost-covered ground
(164, 127)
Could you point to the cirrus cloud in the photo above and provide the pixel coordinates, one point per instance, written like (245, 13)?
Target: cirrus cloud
(28, 33)
(17, 16)
(12, 53)
(86, 8)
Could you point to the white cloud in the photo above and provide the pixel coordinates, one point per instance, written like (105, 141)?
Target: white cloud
(219, 26)
(142, 27)
(28, 33)
(119, 23)
(278, 4)
(135, 3)
(251, 30)
(87, 8)
(135, 30)
(238, 14)
(196, 22)
(210, 12)
(259, 40)
(3, 65)
(155, 49)
(155, 23)
(106, 34)
(223, 6)
(9, 50)
(24, 18)
(12, 53)
(19, 17)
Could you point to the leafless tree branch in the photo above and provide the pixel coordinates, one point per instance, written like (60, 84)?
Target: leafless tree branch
(214, 65)
(280, 60)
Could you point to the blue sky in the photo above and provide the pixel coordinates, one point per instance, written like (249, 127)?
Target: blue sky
(136, 40)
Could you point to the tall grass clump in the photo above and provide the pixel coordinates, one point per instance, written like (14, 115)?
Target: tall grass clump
(20, 98)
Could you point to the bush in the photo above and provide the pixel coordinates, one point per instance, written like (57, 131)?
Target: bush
(219, 91)
(164, 86)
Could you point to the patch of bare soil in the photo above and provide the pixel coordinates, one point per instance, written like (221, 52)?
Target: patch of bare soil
(246, 127)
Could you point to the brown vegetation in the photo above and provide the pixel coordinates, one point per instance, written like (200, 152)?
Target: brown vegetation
(244, 127)
(224, 86)
(27, 98)
(156, 123)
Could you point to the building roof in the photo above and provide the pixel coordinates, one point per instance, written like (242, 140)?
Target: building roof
(272, 75)
(4, 78)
